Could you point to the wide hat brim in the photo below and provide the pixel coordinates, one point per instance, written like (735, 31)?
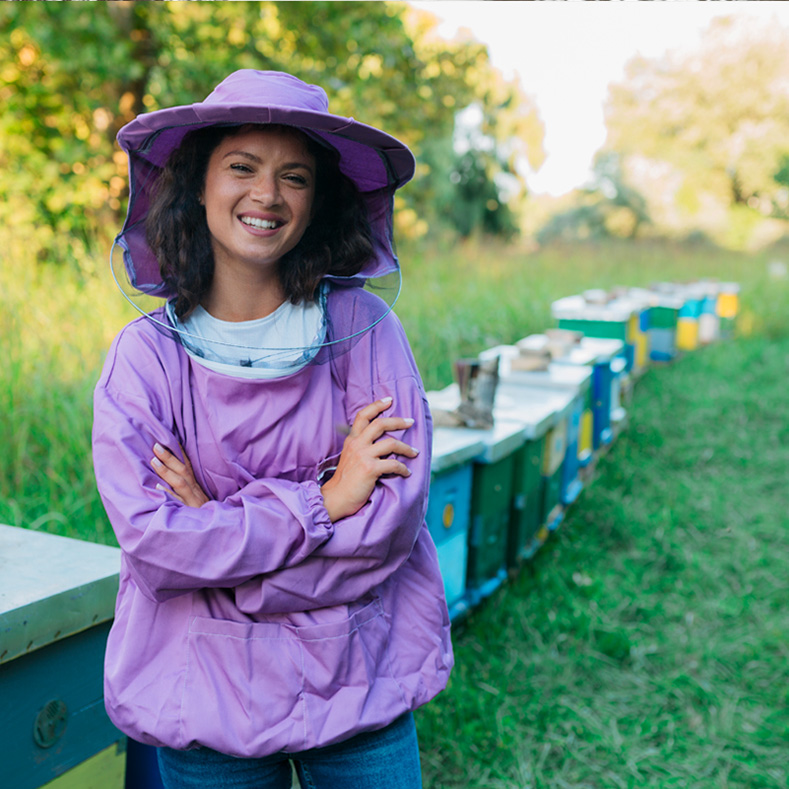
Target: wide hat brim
(377, 163)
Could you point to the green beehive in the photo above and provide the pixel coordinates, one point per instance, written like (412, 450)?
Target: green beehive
(614, 320)
(546, 415)
(527, 517)
(57, 600)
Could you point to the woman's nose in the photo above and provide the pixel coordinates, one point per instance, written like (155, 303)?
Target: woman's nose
(265, 190)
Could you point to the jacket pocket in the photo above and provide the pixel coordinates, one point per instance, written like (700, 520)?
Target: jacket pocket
(243, 693)
(349, 686)
(256, 688)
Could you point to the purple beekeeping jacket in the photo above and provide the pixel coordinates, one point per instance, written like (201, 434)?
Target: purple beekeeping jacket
(253, 624)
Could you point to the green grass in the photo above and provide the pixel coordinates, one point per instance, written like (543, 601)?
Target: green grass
(646, 645)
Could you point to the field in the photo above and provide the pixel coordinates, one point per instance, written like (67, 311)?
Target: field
(645, 646)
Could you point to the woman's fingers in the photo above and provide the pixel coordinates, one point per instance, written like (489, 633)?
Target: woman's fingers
(369, 424)
(167, 461)
(178, 475)
(167, 490)
(368, 454)
(386, 424)
(368, 414)
(390, 466)
(391, 446)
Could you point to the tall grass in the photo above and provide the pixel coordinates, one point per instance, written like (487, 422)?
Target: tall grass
(459, 300)
(55, 327)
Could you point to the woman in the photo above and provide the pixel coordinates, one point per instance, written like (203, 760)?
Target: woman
(262, 447)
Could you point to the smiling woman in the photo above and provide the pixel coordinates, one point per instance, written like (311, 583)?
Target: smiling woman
(262, 447)
(258, 198)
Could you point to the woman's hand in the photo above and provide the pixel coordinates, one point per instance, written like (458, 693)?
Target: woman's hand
(365, 458)
(179, 476)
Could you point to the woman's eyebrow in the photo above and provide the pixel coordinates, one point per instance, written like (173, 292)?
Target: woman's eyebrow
(258, 160)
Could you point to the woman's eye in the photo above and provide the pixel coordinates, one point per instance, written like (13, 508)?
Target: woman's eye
(241, 168)
(299, 180)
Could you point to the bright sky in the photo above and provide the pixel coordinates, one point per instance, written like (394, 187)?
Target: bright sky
(567, 53)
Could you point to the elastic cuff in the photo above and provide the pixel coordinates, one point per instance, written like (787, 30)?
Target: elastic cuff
(320, 516)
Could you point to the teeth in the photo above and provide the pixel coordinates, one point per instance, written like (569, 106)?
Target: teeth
(261, 224)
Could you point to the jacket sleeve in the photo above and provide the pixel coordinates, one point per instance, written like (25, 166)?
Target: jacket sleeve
(366, 548)
(173, 549)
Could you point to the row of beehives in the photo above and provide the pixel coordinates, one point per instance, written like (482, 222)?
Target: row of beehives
(557, 401)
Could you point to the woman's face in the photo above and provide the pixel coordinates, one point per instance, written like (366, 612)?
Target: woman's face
(258, 197)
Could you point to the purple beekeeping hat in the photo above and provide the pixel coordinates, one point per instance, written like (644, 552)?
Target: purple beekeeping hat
(377, 163)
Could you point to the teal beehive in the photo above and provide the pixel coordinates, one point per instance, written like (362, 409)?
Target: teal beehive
(492, 490)
(57, 600)
(449, 509)
(595, 316)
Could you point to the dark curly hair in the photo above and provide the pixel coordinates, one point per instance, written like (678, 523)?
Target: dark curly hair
(338, 241)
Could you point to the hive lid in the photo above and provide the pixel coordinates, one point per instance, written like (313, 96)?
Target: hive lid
(577, 378)
(536, 409)
(454, 446)
(579, 309)
(51, 587)
(504, 438)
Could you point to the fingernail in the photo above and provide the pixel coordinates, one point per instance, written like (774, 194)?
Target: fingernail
(158, 448)
(414, 449)
(409, 421)
(386, 400)
(156, 462)
(159, 486)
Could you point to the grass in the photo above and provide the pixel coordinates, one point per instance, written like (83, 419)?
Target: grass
(646, 645)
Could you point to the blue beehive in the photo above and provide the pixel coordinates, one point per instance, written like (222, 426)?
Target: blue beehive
(449, 508)
(605, 356)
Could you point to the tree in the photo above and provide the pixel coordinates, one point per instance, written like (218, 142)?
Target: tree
(707, 129)
(472, 173)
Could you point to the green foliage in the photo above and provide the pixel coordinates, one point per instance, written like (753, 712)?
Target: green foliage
(608, 207)
(74, 73)
(475, 203)
(713, 122)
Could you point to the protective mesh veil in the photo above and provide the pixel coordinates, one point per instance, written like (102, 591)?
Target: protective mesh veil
(337, 333)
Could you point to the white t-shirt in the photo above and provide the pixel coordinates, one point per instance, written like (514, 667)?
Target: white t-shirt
(270, 347)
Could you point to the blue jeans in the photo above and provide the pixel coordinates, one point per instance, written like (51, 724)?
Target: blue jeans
(384, 759)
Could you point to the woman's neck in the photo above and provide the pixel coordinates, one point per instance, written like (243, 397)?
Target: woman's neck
(229, 299)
